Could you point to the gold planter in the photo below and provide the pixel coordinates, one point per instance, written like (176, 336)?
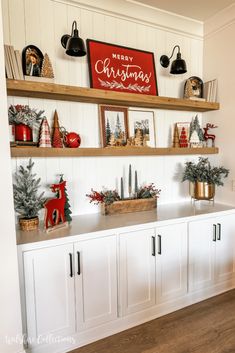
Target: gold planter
(28, 223)
(201, 190)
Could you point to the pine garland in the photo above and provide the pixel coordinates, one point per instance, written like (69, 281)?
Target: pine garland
(26, 199)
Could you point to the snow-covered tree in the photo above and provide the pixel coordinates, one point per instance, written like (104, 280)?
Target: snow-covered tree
(26, 199)
(195, 125)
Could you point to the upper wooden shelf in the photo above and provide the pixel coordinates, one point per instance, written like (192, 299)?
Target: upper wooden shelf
(98, 96)
(105, 152)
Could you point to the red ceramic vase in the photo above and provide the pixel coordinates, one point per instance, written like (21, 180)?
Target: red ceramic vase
(23, 133)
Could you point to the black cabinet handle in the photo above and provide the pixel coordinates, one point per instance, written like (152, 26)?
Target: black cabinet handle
(159, 244)
(79, 265)
(219, 233)
(153, 246)
(71, 264)
(214, 232)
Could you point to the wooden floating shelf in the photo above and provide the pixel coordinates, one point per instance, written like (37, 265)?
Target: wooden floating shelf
(90, 95)
(109, 151)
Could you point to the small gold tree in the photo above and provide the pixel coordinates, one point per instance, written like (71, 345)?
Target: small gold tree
(188, 92)
(176, 139)
(47, 69)
(138, 138)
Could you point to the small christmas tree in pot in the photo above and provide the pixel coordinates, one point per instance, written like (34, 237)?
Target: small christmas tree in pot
(26, 198)
(24, 118)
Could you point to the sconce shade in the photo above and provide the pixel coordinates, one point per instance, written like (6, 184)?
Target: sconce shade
(74, 45)
(178, 66)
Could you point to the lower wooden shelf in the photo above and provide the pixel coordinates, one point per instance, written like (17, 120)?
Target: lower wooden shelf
(109, 151)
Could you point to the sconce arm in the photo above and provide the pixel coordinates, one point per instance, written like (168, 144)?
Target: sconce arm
(176, 46)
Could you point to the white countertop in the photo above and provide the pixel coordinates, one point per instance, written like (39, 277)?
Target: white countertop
(92, 223)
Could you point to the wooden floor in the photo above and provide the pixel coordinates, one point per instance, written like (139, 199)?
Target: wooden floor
(206, 327)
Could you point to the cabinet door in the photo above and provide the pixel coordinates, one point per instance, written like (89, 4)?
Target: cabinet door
(201, 253)
(137, 271)
(49, 292)
(225, 238)
(96, 281)
(171, 262)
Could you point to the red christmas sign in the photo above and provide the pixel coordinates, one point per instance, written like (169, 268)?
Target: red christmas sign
(122, 69)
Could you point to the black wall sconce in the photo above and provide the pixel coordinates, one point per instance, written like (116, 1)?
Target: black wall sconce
(178, 66)
(73, 44)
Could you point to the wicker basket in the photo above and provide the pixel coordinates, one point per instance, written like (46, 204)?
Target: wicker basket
(28, 223)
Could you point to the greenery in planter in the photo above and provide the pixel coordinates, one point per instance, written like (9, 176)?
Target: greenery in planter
(23, 114)
(148, 192)
(204, 172)
(107, 197)
(26, 198)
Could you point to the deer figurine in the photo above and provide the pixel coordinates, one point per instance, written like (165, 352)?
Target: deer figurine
(209, 136)
(55, 207)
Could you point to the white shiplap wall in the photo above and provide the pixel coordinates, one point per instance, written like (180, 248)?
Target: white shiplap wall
(42, 23)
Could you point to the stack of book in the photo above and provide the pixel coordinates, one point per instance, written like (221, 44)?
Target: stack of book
(210, 90)
(13, 63)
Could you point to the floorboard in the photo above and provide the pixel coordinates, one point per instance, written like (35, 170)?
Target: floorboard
(206, 327)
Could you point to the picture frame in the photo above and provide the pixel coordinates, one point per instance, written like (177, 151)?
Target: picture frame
(141, 127)
(32, 59)
(193, 88)
(183, 136)
(113, 125)
(122, 69)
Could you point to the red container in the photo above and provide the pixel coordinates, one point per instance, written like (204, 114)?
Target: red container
(23, 133)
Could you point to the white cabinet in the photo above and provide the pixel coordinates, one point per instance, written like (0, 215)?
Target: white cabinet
(211, 251)
(94, 285)
(69, 283)
(49, 292)
(171, 262)
(96, 281)
(137, 270)
(153, 267)
(201, 254)
(225, 246)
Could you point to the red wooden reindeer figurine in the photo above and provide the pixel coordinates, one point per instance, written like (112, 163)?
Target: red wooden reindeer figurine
(55, 206)
(209, 136)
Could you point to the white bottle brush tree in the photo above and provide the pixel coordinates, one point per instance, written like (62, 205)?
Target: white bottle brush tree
(27, 201)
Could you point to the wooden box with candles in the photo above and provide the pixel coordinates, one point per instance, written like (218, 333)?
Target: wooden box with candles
(129, 205)
(142, 198)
